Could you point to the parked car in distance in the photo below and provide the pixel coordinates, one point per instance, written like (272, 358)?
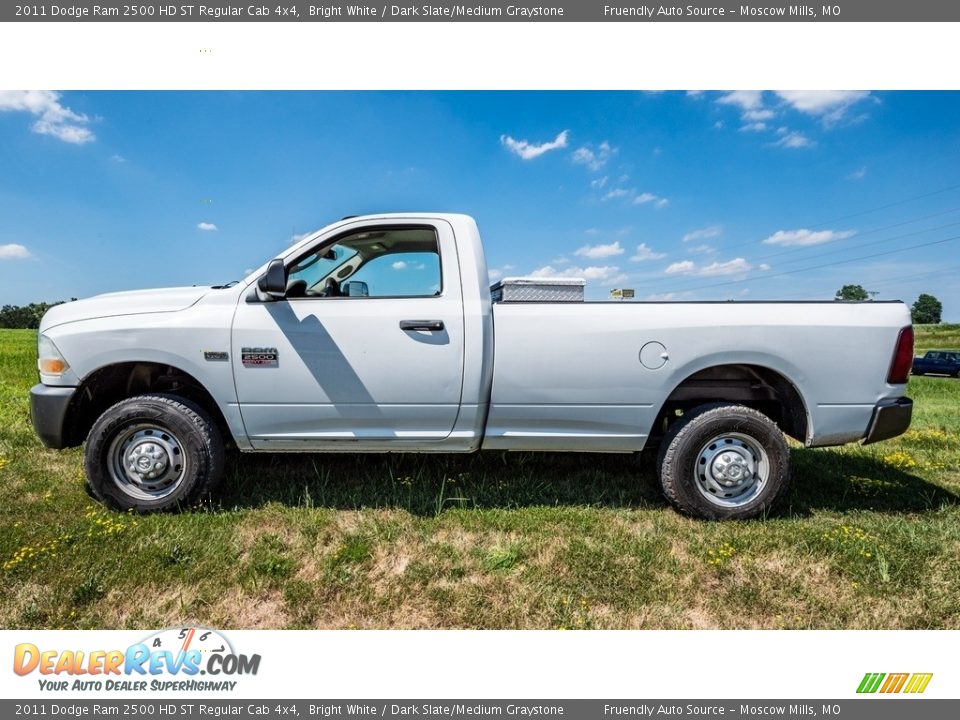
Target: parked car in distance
(381, 334)
(938, 362)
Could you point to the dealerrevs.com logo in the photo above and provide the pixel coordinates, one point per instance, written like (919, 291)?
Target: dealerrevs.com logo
(173, 659)
(888, 683)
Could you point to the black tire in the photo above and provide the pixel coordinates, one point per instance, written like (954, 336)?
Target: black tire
(171, 432)
(698, 455)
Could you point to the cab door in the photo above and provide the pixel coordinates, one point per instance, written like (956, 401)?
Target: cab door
(365, 351)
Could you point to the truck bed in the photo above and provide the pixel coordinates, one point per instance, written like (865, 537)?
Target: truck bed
(570, 374)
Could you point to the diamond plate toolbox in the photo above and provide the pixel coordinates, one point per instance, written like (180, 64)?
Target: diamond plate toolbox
(520, 289)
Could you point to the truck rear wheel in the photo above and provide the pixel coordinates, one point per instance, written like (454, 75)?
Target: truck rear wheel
(153, 453)
(724, 462)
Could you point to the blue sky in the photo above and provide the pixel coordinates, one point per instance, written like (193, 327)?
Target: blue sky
(679, 195)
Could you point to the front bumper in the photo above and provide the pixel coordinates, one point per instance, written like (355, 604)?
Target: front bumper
(889, 419)
(48, 411)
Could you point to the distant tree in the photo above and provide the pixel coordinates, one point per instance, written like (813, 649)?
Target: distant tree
(24, 316)
(852, 292)
(926, 310)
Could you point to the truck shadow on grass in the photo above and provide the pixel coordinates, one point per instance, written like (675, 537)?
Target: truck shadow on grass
(427, 485)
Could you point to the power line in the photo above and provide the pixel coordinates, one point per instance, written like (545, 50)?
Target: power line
(830, 264)
(871, 231)
(896, 280)
(876, 242)
(888, 205)
(844, 249)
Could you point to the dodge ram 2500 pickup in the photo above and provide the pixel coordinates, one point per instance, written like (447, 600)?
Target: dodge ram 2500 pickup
(379, 334)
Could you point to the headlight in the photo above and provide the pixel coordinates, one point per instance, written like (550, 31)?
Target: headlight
(49, 359)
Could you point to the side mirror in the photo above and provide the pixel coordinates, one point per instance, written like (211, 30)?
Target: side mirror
(274, 282)
(355, 288)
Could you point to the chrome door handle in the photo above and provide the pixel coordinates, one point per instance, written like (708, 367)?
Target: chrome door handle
(421, 325)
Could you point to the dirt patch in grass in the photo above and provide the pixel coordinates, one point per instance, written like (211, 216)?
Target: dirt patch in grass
(254, 610)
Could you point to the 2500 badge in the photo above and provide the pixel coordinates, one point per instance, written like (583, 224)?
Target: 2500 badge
(259, 357)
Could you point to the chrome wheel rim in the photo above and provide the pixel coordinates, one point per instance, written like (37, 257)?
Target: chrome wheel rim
(731, 469)
(147, 461)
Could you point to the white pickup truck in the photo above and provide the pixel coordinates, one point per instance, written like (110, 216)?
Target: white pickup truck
(379, 334)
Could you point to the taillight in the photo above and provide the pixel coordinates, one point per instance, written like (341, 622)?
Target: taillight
(902, 358)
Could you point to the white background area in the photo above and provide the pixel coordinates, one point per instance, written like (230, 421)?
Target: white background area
(464, 664)
(474, 55)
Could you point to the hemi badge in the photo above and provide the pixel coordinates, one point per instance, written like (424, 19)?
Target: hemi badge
(258, 357)
(217, 355)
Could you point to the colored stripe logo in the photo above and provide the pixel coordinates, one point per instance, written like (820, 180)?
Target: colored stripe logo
(913, 683)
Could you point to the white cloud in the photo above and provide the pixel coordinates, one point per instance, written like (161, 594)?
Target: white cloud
(599, 182)
(623, 178)
(829, 105)
(743, 99)
(117, 158)
(595, 252)
(758, 115)
(636, 198)
(52, 118)
(644, 252)
(731, 267)
(297, 237)
(399, 265)
(737, 266)
(858, 174)
(683, 267)
(793, 140)
(616, 193)
(14, 251)
(206, 226)
(529, 151)
(705, 233)
(497, 273)
(593, 159)
(605, 274)
(803, 237)
(701, 249)
(718, 125)
(753, 127)
(763, 266)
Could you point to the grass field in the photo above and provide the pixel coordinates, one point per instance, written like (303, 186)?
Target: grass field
(870, 538)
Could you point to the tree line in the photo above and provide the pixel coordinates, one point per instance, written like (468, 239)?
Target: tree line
(926, 309)
(25, 316)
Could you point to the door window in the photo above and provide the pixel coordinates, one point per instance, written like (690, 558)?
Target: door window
(388, 262)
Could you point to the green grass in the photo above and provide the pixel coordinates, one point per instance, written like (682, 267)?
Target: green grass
(869, 538)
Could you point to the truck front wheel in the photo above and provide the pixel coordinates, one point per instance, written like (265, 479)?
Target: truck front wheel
(153, 453)
(724, 462)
